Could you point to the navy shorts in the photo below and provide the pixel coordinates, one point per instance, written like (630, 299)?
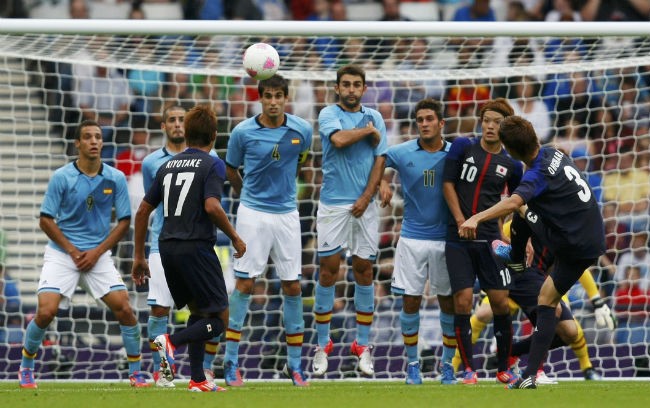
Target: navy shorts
(525, 288)
(524, 291)
(194, 275)
(566, 272)
(468, 260)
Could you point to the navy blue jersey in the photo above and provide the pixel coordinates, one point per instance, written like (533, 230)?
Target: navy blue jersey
(544, 263)
(480, 178)
(555, 190)
(183, 184)
(543, 258)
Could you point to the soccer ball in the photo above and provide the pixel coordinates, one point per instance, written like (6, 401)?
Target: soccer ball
(261, 61)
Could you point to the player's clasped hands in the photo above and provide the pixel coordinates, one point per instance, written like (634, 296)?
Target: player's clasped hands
(467, 229)
(84, 261)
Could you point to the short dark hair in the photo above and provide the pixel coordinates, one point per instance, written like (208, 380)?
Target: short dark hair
(430, 103)
(168, 109)
(351, 69)
(499, 105)
(518, 136)
(200, 126)
(275, 82)
(85, 123)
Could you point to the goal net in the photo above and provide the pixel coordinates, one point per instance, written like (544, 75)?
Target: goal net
(584, 87)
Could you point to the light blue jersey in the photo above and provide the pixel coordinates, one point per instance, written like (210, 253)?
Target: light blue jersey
(82, 206)
(270, 159)
(150, 165)
(425, 210)
(346, 171)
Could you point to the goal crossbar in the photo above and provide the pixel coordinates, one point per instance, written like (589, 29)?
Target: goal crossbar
(330, 28)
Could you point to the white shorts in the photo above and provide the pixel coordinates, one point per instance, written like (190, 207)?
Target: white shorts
(60, 275)
(338, 229)
(267, 234)
(416, 262)
(159, 294)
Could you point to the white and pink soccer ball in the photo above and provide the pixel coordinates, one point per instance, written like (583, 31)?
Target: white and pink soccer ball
(261, 61)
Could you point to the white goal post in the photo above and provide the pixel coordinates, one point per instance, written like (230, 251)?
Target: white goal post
(585, 87)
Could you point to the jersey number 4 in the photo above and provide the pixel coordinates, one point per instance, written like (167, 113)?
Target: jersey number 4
(182, 179)
(275, 154)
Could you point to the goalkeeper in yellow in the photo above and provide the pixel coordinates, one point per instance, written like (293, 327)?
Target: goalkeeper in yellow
(524, 296)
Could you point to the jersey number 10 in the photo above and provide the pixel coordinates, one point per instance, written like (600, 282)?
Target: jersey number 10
(468, 173)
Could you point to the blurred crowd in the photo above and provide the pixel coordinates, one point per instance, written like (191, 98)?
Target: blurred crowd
(390, 10)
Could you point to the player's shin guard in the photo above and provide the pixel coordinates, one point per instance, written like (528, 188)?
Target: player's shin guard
(463, 331)
(477, 327)
(239, 303)
(33, 339)
(364, 303)
(521, 347)
(579, 347)
(294, 326)
(456, 361)
(542, 338)
(503, 335)
(198, 329)
(448, 337)
(410, 323)
(210, 351)
(323, 306)
(131, 339)
(155, 327)
(195, 351)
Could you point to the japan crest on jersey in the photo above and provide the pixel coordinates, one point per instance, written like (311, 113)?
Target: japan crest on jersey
(501, 171)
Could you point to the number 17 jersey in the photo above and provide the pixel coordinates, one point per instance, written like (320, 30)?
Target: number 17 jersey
(182, 185)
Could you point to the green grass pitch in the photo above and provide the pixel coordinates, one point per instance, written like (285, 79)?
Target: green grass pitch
(331, 394)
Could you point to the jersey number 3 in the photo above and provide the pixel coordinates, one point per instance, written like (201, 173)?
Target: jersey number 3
(573, 175)
(185, 181)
